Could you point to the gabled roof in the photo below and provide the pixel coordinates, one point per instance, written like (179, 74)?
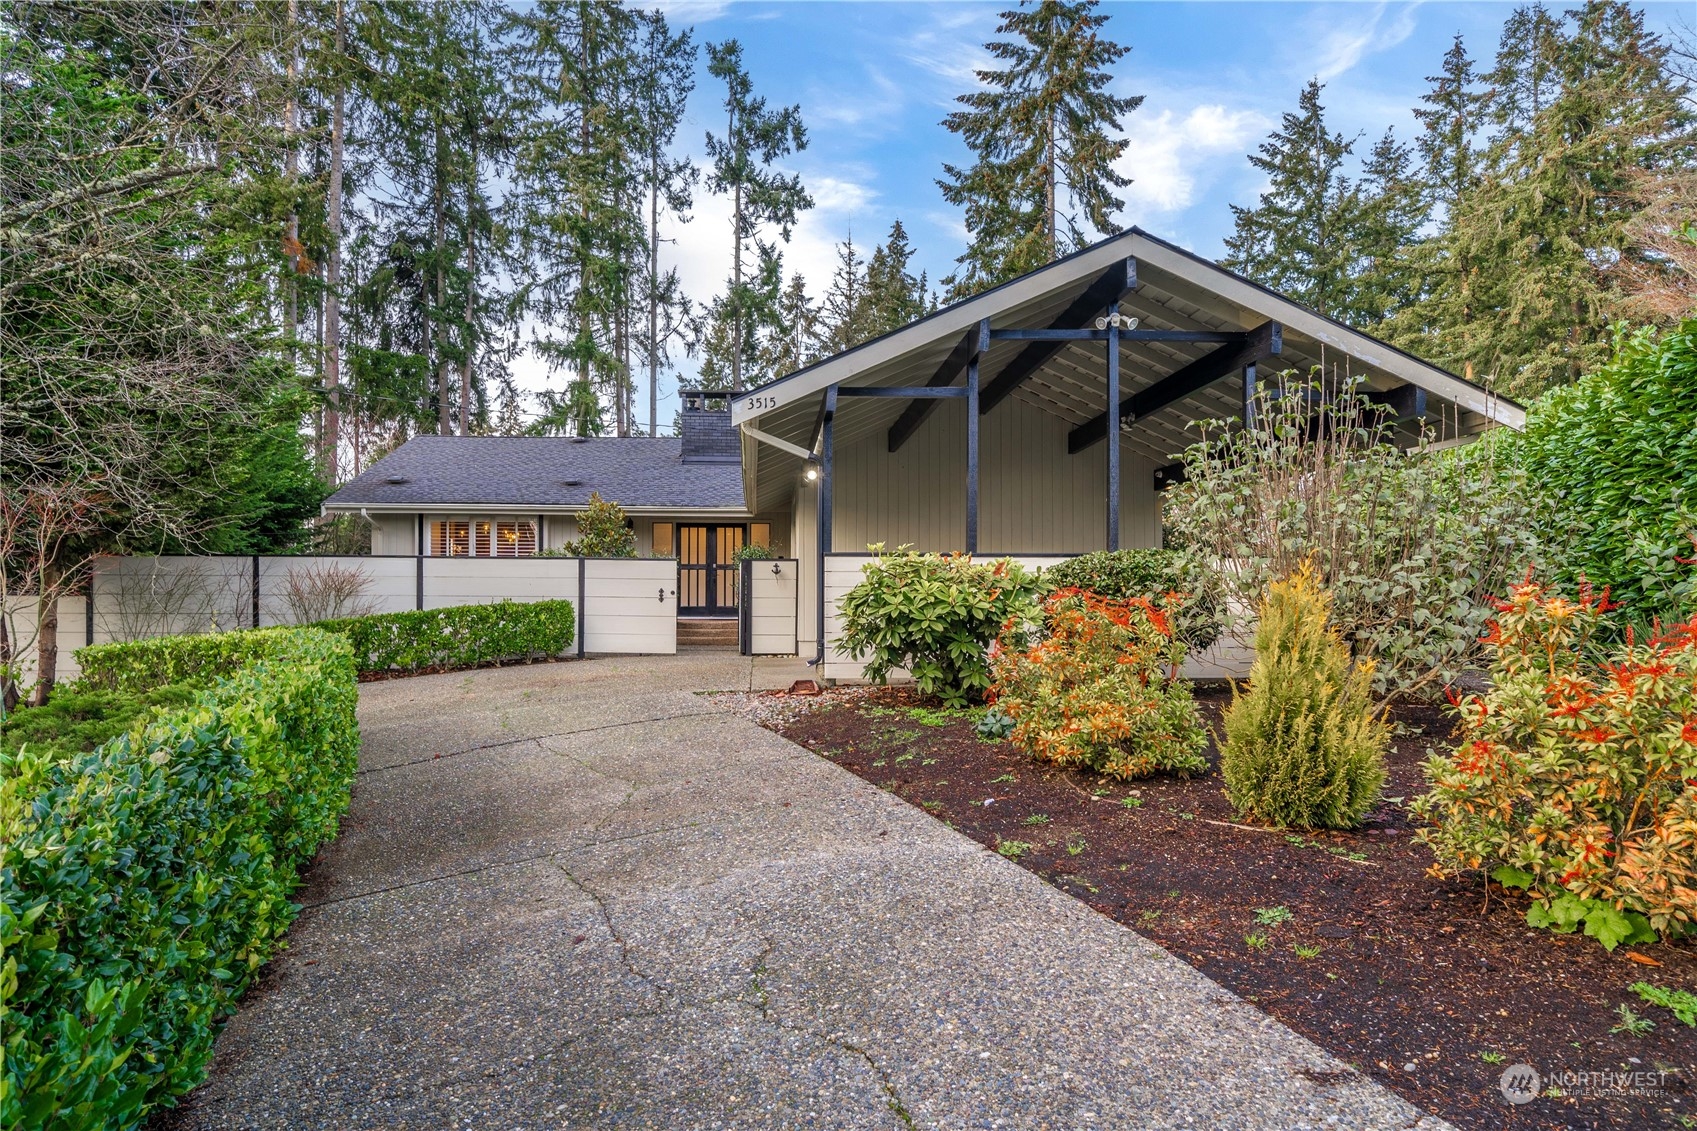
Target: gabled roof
(1176, 290)
(528, 473)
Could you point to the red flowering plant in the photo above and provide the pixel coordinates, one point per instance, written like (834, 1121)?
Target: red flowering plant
(1086, 685)
(1574, 779)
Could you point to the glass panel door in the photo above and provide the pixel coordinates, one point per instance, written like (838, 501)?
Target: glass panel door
(707, 570)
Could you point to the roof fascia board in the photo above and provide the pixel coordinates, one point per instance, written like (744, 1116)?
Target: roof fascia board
(1295, 316)
(521, 510)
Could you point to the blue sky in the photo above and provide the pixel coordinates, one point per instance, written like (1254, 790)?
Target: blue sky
(874, 81)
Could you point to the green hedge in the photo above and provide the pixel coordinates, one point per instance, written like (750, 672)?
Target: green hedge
(463, 636)
(145, 882)
(459, 637)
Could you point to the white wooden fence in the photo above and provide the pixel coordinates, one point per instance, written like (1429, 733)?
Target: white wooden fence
(1228, 658)
(623, 605)
(769, 609)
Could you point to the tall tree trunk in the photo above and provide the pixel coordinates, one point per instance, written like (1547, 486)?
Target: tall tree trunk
(736, 269)
(470, 321)
(291, 169)
(46, 635)
(444, 425)
(653, 295)
(333, 273)
(1049, 189)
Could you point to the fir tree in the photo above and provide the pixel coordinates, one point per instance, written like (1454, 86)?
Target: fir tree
(1042, 139)
(755, 137)
(1384, 230)
(792, 347)
(843, 313)
(1299, 238)
(894, 295)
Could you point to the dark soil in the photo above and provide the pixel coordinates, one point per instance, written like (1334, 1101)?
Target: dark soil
(1422, 984)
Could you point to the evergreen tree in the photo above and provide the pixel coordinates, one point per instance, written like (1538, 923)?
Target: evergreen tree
(574, 199)
(665, 75)
(1546, 229)
(843, 313)
(793, 347)
(1300, 237)
(1042, 181)
(1392, 210)
(894, 296)
(742, 159)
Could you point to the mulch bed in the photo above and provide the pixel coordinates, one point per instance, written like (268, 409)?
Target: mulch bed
(1416, 982)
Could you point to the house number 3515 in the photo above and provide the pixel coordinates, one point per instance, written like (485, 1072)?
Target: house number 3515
(756, 403)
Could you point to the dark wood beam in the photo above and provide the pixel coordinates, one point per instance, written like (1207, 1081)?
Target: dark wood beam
(953, 366)
(1170, 475)
(919, 393)
(1216, 337)
(1266, 340)
(1111, 286)
(1405, 402)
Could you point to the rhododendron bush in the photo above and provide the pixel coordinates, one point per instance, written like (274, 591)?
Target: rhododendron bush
(1087, 686)
(1577, 780)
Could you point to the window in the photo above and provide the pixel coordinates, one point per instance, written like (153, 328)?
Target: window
(661, 543)
(483, 538)
(760, 534)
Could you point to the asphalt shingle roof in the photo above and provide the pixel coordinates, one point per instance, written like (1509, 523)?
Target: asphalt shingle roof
(534, 471)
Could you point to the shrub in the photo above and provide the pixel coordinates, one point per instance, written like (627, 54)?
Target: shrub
(146, 881)
(1574, 780)
(1411, 543)
(603, 531)
(454, 637)
(1189, 592)
(75, 721)
(461, 636)
(1618, 453)
(936, 615)
(325, 590)
(1092, 690)
(1304, 747)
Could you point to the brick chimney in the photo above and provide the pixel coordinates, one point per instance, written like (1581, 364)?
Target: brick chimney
(708, 436)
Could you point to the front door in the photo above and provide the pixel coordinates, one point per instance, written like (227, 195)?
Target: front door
(707, 570)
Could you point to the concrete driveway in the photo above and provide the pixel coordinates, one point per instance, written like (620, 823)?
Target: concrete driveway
(580, 895)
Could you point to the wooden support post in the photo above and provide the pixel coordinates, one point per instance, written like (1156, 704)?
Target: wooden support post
(88, 608)
(826, 444)
(1113, 435)
(582, 612)
(1249, 395)
(972, 436)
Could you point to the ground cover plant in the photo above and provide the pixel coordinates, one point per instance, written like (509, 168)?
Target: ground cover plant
(1416, 981)
(1304, 745)
(1086, 684)
(935, 615)
(75, 721)
(1574, 780)
(146, 881)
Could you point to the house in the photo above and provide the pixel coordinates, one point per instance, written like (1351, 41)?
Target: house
(511, 496)
(1039, 420)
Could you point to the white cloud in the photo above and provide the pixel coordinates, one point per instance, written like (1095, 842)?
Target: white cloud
(1339, 43)
(683, 13)
(1169, 151)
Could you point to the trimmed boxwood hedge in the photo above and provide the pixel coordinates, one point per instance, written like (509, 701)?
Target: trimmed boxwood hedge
(462, 636)
(146, 881)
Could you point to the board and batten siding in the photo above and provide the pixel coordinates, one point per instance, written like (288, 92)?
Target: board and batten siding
(1033, 498)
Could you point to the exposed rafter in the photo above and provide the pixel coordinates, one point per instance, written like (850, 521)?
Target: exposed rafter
(953, 366)
(1111, 286)
(1266, 340)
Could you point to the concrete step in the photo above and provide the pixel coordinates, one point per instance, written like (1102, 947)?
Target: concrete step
(701, 632)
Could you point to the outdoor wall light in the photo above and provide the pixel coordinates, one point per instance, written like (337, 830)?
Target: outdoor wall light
(812, 472)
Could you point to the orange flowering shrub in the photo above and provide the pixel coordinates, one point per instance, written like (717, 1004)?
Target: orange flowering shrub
(1577, 780)
(1092, 690)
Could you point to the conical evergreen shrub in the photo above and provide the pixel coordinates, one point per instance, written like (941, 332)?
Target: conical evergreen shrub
(1304, 746)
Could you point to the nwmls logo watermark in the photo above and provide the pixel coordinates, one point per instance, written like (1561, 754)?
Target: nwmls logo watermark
(1521, 1083)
